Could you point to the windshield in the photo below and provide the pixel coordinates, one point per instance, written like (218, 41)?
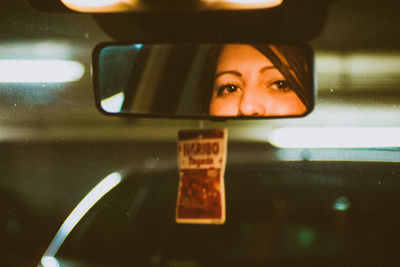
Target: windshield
(56, 146)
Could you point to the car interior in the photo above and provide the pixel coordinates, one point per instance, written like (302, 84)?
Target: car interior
(94, 95)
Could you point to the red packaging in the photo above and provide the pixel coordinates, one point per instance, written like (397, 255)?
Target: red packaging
(201, 161)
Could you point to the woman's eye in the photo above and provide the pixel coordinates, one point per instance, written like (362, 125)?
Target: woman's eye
(281, 85)
(227, 89)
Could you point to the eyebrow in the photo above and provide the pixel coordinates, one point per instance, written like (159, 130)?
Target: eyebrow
(234, 72)
(237, 73)
(267, 68)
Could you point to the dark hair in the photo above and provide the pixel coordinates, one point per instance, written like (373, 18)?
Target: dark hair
(299, 76)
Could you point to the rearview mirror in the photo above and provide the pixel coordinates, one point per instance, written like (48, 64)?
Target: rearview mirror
(204, 80)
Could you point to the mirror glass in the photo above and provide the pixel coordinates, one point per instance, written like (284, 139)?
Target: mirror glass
(202, 80)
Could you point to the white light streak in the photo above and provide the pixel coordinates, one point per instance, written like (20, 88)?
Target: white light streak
(113, 104)
(358, 63)
(320, 137)
(363, 71)
(339, 155)
(33, 49)
(49, 262)
(83, 207)
(40, 71)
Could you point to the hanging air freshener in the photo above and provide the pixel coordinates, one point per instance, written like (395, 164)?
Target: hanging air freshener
(201, 160)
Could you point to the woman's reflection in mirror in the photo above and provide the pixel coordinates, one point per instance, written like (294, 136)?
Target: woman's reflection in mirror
(256, 80)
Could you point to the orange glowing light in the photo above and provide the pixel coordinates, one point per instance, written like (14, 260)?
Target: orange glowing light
(100, 5)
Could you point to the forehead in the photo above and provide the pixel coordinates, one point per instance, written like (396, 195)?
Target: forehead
(238, 56)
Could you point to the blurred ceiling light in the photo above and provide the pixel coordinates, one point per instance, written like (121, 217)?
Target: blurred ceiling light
(243, 3)
(100, 5)
(113, 103)
(320, 137)
(372, 155)
(40, 71)
(358, 63)
(341, 204)
(42, 49)
(83, 207)
(138, 46)
(355, 70)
